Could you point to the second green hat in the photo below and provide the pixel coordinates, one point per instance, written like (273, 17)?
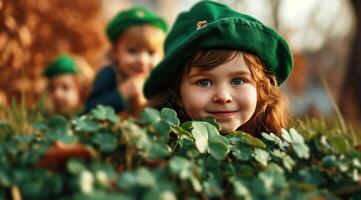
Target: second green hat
(64, 64)
(134, 16)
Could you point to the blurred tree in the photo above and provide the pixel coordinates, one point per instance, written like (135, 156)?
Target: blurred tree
(350, 94)
(34, 32)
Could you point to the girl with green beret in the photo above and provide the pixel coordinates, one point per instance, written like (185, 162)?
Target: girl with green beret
(137, 37)
(223, 64)
(68, 84)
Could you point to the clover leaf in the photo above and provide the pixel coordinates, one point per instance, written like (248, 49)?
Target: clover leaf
(262, 156)
(163, 129)
(105, 113)
(239, 136)
(158, 150)
(218, 144)
(169, 116)
(107, 142)
(200, 133)
(150, 116)
(85, 124)
(213, 121)
(297, 142)
(242, 152)
(276, 140)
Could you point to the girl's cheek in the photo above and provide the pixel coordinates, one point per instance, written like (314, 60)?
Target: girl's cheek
(195, 94)
(195, 102)
(247, 98)
(156, 59)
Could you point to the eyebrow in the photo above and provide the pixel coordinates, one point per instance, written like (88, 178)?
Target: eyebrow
(241, 73)
(235, 73)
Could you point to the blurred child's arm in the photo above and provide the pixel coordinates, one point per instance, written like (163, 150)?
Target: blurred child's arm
(132, 90)
(105, 80)
(105, 92)
(110, 98)
(131, 87)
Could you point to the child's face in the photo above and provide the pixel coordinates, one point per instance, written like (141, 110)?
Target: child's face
(136, 60)
(226, 92)
(64, 93)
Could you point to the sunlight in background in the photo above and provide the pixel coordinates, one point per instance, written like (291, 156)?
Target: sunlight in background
(311, 22)
(307, 24)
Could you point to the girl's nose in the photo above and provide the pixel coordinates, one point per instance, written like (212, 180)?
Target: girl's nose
(58, 93)
(222, 96)
(143, 62)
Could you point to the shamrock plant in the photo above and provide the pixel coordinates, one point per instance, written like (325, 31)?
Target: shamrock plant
(101, 156)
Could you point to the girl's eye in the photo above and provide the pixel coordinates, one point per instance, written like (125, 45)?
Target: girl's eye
(132, 50)
(204, 83)
(151, 52)
(237, 81)
(65, 87)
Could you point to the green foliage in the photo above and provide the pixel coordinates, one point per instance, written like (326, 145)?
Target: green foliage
(297, 141)
(157, 157)
(104, 113)
(19, 117)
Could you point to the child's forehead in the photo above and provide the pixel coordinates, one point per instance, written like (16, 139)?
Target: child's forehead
(145, 36)
(63, 78)
(210, 59)
(138, 44)
(236, 66)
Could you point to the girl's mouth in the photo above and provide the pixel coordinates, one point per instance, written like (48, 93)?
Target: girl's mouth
(222, 114)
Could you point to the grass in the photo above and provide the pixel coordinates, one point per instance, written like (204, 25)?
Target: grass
(20, 116)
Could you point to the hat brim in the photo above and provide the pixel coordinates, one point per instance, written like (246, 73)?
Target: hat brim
(231, 33)
(115, 29)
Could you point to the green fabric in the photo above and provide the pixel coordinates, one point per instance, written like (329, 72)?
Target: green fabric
(135, 16)
(64, 64)
(224, 29)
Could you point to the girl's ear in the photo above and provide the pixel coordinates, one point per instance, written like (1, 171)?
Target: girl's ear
(176, 98)
(179, 103)
(113, 52)
(176, 92)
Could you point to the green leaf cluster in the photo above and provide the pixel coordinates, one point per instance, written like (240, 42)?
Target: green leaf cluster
(157, 157)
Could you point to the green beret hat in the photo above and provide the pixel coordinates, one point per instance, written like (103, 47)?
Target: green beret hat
(211, 25)
(64, 64)
(134, 16)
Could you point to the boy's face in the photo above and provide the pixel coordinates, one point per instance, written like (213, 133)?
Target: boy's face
(226, 92)
(135, 60)
(64, 93)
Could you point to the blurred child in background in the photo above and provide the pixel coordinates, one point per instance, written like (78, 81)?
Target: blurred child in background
(69, 82)
(137, 37)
